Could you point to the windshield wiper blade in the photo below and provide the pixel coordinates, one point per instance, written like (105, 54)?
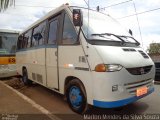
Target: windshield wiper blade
(137, 43)
(100, 35)
(110, 34)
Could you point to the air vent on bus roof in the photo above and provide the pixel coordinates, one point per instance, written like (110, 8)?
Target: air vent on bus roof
(129, 50)
(143, 54)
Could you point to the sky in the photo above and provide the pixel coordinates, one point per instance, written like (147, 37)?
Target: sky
(145, 25)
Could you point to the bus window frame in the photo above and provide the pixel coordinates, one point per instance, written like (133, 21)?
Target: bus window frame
(59, 37)
(51, 19)
(62, 28)
(59, 16)
(28, 46)
(19, 43)
(44, 37)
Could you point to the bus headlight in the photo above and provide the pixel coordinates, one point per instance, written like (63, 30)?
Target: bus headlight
(108, 67)
(114, 67)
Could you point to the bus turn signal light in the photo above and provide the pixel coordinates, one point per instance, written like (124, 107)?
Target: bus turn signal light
(100, 68)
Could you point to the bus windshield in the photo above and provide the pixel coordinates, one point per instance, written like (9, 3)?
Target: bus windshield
(102, 27)
(8, 43)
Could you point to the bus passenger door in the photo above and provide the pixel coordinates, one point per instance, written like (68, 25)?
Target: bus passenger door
(51, 54)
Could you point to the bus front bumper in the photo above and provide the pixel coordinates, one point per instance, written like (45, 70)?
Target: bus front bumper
(119, 103)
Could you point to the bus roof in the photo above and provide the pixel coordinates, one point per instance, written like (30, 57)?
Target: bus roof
(51, 13)
(9, 31)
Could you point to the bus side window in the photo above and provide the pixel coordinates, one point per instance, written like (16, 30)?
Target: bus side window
(38, 34)
(52, 31)
(69, 33)
(27, 39)
(20, 42)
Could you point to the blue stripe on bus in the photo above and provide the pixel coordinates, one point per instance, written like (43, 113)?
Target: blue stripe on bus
(37, 47)
(119, 103)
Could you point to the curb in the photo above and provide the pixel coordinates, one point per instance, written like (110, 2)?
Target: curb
(33, 103)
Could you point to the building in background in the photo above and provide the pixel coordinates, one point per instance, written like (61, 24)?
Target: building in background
(154, 52)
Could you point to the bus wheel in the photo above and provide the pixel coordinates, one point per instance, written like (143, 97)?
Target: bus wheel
(25, 79)
(76, 96)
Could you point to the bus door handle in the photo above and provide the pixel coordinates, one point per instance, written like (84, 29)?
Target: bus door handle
(56, 53)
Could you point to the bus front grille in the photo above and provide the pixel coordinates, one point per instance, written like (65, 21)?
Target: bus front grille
(139, 70)
(132, 87)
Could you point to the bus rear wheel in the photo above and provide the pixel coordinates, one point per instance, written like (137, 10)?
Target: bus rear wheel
(76, 96)
(25, 79)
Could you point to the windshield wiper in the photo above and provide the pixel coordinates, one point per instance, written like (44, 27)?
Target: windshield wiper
(109, 34)
(137, 43)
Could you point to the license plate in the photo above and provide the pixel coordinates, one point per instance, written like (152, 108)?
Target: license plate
(141, 91)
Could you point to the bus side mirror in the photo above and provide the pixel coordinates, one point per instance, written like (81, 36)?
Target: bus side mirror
(77, 17)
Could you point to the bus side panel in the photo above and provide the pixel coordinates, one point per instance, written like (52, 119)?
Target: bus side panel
(71, 64)
(51, 68)
(20, 60)
(34, 61)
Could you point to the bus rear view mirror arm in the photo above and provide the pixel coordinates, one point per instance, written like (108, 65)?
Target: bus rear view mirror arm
(77, 20)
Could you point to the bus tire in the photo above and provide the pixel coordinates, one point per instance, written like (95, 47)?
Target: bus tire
(76, 96)
(25, 79)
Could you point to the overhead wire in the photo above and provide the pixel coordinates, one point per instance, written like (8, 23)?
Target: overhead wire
(140, 33)
(87, 3)
(117, 4)
(147, 11)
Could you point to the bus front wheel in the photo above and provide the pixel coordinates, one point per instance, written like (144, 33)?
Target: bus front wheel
(25, 79)
(76, 96)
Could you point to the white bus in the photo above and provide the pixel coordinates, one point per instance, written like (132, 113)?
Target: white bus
(92, 60)
(8, 41)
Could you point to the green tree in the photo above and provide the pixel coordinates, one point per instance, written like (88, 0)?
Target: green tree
(154, 48)
(4, 4)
